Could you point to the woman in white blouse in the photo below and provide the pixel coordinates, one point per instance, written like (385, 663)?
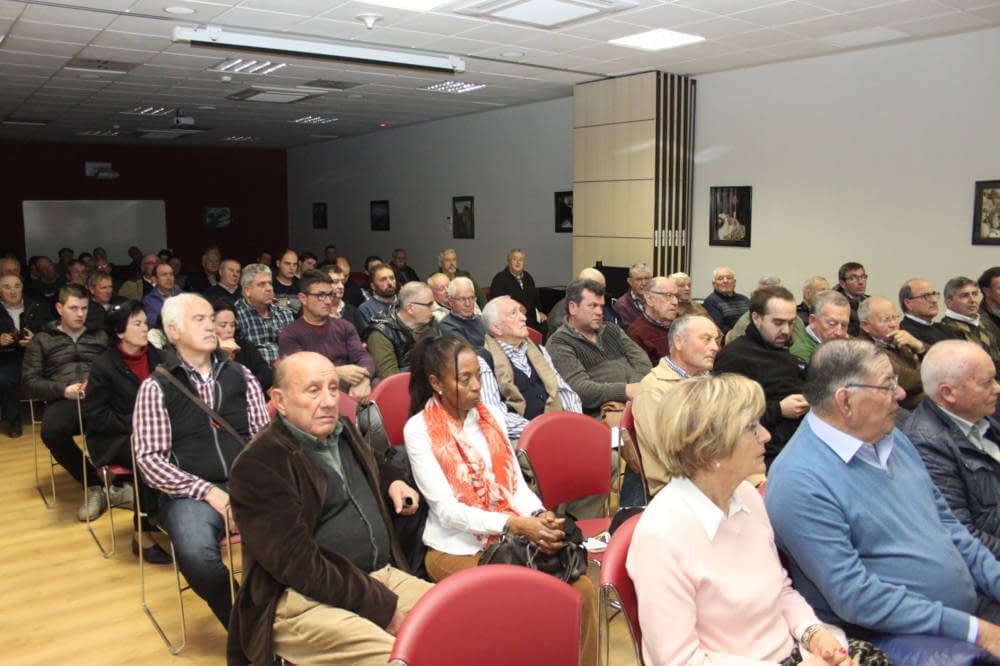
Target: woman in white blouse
(468, 473)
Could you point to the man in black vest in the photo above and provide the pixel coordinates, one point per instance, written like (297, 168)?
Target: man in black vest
(518, 375)
(185, 453)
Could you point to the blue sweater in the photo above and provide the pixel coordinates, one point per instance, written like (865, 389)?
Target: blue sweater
(875, 548)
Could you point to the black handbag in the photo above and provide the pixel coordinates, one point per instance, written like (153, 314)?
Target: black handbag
(568, 564)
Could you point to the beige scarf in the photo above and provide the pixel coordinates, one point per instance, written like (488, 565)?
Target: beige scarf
(503, 369)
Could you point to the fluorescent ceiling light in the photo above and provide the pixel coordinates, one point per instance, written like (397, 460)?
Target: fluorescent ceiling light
(412, 5)
(657, 40)
(242, 139)
(241, 66)
(218, 37)
(149, 111)
(455, 87)
(29, 123)
(276, 94)
(313, 120)
(178, 10)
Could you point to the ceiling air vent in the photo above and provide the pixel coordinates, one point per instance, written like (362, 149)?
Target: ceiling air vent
(99, 66)
(327, 84)
(276, 95)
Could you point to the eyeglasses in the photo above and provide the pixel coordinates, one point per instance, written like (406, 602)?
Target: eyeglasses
(322, 295)
(665, 294)
(891, 319)
(426, 305)
(855, 278)
(929, 296)
(891, 387)
(754, 427)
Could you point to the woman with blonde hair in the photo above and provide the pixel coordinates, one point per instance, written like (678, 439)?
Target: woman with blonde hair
(709, 583)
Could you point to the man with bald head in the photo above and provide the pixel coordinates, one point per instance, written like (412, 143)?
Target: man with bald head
(724, 305)
(649, 329)
(880, 324)
(955, 431)
(919, 302)
(316, 518)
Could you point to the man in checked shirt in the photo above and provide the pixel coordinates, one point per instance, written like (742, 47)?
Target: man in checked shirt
(186, 455)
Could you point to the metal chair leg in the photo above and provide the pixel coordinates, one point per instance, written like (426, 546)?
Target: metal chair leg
(105, 487)
(35, 422)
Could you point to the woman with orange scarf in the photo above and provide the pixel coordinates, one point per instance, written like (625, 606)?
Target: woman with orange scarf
(468, 474)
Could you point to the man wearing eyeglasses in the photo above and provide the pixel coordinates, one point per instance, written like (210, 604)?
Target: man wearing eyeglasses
(852, 282)
(872, 545)
(394, 331)
(649, 329)
(462, 322)
(880, 324)
(334, 338)
(962, 320)
(919, 303)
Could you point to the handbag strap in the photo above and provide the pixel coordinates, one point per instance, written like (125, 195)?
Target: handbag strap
(212, 414)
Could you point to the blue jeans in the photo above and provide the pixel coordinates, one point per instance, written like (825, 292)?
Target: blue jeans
(195, 529)
(918, 650)
(631, 494)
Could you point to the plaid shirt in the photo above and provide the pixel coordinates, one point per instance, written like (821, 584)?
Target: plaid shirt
(263, 332)
(153, 438)
(489, 394)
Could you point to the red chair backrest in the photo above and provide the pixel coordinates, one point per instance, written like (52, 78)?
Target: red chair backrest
(494, 615)
(570, 454)
(535, 336)
(615, 577)
(392, 398)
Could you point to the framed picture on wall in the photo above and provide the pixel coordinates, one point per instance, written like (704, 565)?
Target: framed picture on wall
(564, 212)
(729, 215)
(463, 217)
(986, 220)
(319, 215)
(217, 217)
(379, 212)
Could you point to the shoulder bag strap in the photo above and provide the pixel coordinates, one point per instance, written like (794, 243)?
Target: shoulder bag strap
(212, 414)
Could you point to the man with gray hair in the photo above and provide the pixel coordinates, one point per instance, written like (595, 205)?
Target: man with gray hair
(629, 306)
(649, 330)
(962, 320)
(957, 436)
(259, 320)
(872, 545)
(724, 305)
(448, 264)
(694, 343)
(685, 305)
(518, 376)
(812, 286)
(395, 330)
(880, 324)
(462, 322)
(185, 452)
(919, 302)
(830, 317)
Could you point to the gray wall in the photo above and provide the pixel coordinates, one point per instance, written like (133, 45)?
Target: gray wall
(511, 160)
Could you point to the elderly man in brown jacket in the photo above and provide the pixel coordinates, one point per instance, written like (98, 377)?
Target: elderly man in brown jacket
(321, 584)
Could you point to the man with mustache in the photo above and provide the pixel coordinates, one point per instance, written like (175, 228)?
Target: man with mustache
(762, 355)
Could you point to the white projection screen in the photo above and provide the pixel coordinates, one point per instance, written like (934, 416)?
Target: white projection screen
(83, 225)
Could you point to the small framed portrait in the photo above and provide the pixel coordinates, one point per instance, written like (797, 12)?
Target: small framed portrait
(564, 212)
(319, 215)
(463, 217)
(729, 215)
(986, 219)
(379, 213)
(217, 217)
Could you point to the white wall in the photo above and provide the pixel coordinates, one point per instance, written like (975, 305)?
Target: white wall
(869, 156)
(511, 160)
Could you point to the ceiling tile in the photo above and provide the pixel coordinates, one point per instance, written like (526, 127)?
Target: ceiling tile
(55, 33)
(942, 25)
(723, 7)
(15, 44)
(830, 25)
(123, 40)
(756, 39)
(716, 28)
(664, 16)
(913, 9)
(780, 14)
(10, 10)
(251, 18)
(74, 18)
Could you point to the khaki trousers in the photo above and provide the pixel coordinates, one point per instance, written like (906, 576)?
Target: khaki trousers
(441, 565)
(308, 632)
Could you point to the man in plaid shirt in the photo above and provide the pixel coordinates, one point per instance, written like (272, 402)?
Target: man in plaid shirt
(258, 319)
(185, 454)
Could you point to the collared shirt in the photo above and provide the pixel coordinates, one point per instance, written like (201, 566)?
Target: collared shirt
(948, 312)
(703, 509)
(262, 331)
(154, 438)
(975, 433)
(327, 449)
(809, 330)
(678, 369)
(490, 390)
(847, 446)
(922, 322)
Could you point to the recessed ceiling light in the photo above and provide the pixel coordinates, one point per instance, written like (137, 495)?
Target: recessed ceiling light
(657, 40)
(179, 10)
(313, 120)
(511, 54)
(412, 5)
(455, 87)
(383, 124)
(248, 66)
(242, 139)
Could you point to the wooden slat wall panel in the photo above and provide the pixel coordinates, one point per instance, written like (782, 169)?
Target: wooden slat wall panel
(620, 100)
(624, 206)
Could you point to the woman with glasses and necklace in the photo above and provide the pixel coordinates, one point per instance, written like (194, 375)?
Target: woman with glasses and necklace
(710, 587)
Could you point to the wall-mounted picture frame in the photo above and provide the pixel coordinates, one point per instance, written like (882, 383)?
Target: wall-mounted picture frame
(379, 213)
(564, 212)
(463, 217)
(319, 215)
(986, 218)
(729, 215)
(217, 217)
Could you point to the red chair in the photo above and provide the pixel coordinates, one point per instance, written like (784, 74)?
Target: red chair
(628, 424)
(498, 615)
(391, 397)
(617, 593)
(571, 456)
(535, 336)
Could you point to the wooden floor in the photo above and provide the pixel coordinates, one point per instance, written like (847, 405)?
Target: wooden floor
(62, 603)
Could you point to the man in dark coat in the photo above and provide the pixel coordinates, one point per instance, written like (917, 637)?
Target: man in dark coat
(517, 283)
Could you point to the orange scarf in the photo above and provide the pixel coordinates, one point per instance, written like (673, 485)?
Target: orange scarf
(465, 469)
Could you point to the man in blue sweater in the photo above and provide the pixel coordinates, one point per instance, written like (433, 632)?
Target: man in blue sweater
(873, 545)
